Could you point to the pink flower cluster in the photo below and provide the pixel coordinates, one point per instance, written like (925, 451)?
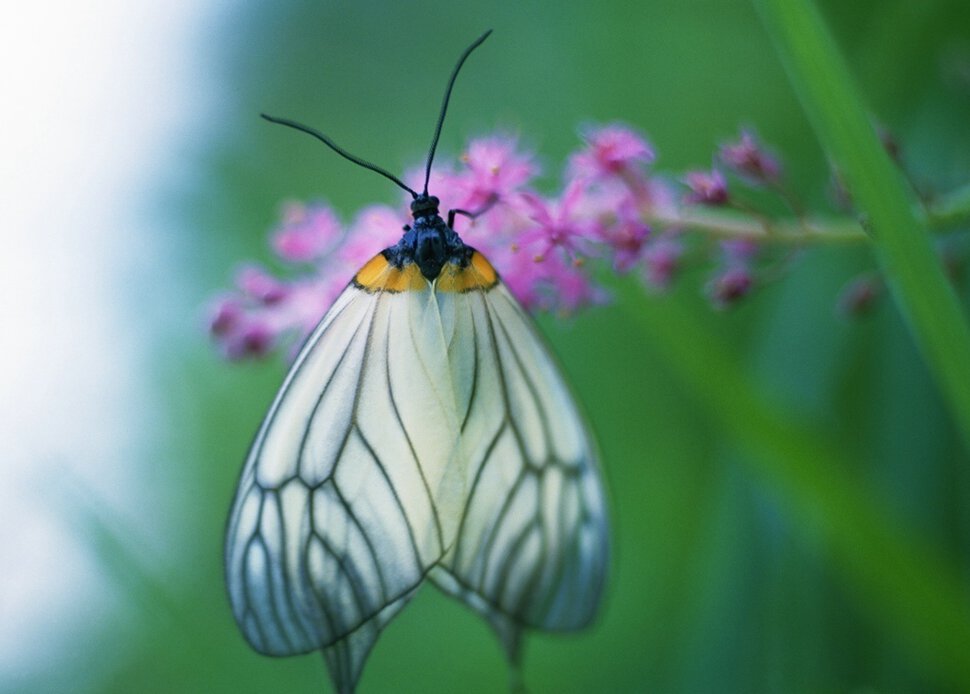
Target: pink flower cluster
(540, 245)
(548, 250)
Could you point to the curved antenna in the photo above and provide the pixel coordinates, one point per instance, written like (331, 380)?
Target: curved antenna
(340, 150)
(444, 105)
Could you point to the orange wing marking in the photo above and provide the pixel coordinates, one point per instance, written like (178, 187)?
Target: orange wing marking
(478, 274)
(379, 275)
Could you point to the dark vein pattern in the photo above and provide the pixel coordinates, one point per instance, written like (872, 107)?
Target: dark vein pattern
(531, 550)
(416, 435)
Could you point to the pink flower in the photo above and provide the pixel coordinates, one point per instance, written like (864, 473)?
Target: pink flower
(627, 240)
(706, 188)
(572, 288)
(543, 247)
(523, 276)
(259, 285)
(617, 223)
(554, 283)
(254, 340)
(494, 170)
(611, 150)
(308, 232)
(735, 278)
(749, 159)
(661, 258)
(731, 285)
(239, 330)
(557, 222)
(226, 316)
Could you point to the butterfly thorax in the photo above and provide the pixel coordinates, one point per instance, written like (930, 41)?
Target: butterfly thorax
(429, 242)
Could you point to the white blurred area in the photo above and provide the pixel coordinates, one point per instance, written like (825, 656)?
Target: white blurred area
(93, 96)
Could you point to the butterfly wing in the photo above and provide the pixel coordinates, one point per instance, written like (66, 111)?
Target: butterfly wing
(417, 433)
(531, 546)
(335, 521)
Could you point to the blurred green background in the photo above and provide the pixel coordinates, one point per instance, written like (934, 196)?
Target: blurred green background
(717, 585)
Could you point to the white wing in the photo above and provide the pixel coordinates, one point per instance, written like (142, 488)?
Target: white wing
(417, 433)
(336, 518)
(531, 547)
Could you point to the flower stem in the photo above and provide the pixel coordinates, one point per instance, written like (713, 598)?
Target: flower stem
(730, 224)
(943, 214)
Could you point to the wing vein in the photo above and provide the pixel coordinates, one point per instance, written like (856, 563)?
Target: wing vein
(326, 387)
(397, 498)
(459, 545)
(414, 453)
(294, 372)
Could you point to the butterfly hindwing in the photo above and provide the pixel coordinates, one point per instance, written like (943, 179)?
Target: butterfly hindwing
(531, 550)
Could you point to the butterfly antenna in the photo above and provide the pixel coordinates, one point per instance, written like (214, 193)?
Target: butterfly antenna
(341, 151)
(444, 105)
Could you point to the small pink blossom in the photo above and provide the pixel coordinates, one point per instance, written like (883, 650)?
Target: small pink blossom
(573, 289)
(748, 158)
(241, 332)
(308, 232)
(259, 285)
(611, 150)
(619, 226)
(495, 168)
(706, 188)
(254, 340)
(627, 243)
(556, 223)
(226, 316)
(661, 258)
(729, 286)
(523, 276)
(552, 283)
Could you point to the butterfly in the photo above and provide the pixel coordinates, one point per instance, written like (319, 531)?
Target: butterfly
(423, 433)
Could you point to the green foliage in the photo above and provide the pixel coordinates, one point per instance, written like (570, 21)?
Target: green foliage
(903, 247)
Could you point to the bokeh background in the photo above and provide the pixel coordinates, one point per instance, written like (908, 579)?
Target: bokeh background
(136, 175)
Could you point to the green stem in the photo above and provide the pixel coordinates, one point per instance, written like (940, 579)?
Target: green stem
(947, 212)
(903, 247)
(729, 224)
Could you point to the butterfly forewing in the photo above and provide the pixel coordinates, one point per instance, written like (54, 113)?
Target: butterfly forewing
(335, 520)
(420, 431)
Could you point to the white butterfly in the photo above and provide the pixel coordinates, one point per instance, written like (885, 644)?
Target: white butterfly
(423, 432)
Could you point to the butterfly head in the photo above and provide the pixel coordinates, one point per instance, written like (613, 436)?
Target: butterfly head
(429, 242)
(424, 206)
